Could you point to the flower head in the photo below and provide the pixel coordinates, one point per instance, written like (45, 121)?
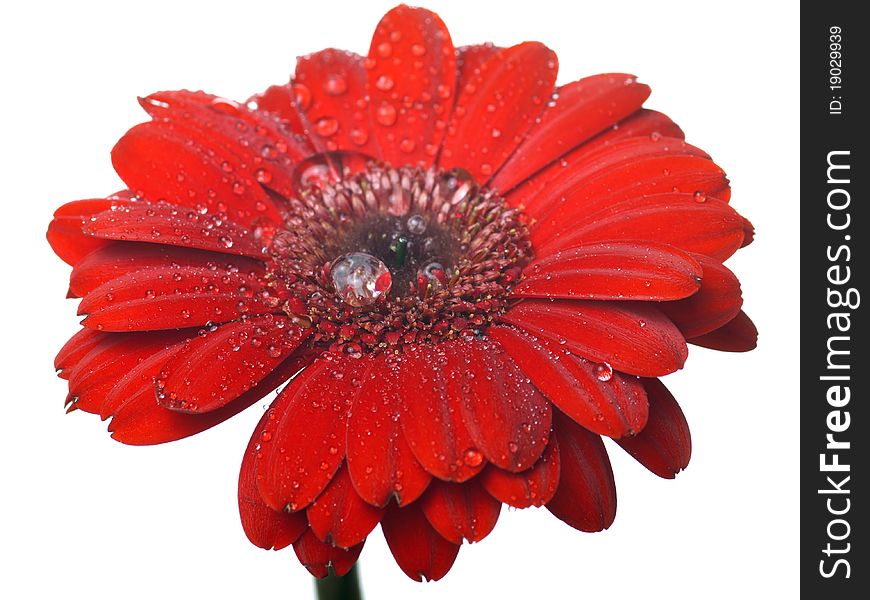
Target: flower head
(464, 274)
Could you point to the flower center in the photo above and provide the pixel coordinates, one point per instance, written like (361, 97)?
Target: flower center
(386, 256)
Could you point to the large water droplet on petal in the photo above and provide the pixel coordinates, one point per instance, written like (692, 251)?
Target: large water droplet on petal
(335, 85)
(302, 95)
(386, 114)
(472, 457)
(360, 279)
(603, 371)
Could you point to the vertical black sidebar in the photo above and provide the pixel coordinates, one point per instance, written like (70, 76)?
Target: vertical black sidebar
(835, 347)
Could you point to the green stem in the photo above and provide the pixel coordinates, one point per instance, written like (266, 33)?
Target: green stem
(400, 250)
(333, 587)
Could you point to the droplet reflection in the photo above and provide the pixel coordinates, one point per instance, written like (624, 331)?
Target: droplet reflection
(360, 279)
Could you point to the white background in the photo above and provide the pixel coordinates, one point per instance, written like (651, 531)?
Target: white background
(83, 516)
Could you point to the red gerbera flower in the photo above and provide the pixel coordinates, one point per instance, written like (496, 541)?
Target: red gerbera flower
(466, 275)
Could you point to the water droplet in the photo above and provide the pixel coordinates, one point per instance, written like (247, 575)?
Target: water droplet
(228, 107)
(238, 188)
(266, 436)
(603, 372)
(263, 176)
(655, 136)
(302, 95)
(385, 49)
(326, 126)
(418, 49)
(434, 271)
(326, 168)
(335, 85)
(407, 145)
(700, 197)
(386, 114)
(416, 224)
(384, 83)
(513, 447)
(360, 279)
(443, 91)
(496, 132)
(358, 136)
(472, 457)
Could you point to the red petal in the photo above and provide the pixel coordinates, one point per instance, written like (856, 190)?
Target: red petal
(139, 380)
(217, 367)
(712, 228)
(577, 112)
(718, 301)
(599, 178)
(336, 106)
(432, 424)
(234, 120)
(281, 102)
(165, 162)
(305, 441)
(266, 528)
(66, 231)
(470, 59)
(94, 376)
(586, 496)
(256, 146)
(496, 108)
(748, 232)
(418, 549)
(506, 416)
(170, 297)
(647, 124)
(460, 510)
(339, 516)
(138, 419)
(119, 258)
(737, 335)
(534, 487)
(665, 444)
(643, 123)
(318, 557)
(602, 400)
(177, 226)
(75, 349)
(631, 337)
(379, 460)
(612, 271)
(411, 81)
